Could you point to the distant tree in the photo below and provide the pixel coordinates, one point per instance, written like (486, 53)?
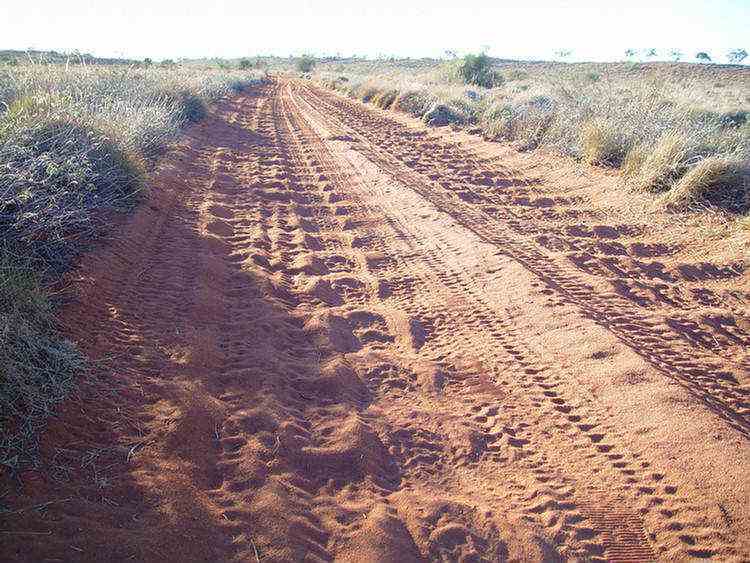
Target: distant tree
(703, 56)
(676, 54)
(450, 54)
(630, 53)
(147, 61)
(650, 53)
(246, 64)
(563, 53)
(168, 63)
(736, 56)
(305, 63)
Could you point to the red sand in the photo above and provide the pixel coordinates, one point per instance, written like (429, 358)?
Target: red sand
(333, 334)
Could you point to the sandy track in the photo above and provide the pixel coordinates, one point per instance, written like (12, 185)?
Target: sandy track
(337, 335)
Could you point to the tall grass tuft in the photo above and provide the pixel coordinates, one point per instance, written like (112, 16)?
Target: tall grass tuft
(665, 162)
(718, 180)
(601, 143)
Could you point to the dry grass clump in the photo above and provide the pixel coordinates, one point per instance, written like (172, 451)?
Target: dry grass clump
(369, 94)
(453, 111)
(55, 176)
(413, 102)
(663, 164)
(721, 181)
(633, 162)
(74, 143)
(385, 99)
(38, 366)
(601, 143)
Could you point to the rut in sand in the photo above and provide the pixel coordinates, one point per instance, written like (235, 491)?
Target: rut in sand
(336, 335)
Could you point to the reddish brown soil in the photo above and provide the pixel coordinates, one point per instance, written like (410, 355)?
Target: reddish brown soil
(330, 334)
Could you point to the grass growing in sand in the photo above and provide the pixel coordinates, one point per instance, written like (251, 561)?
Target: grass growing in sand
(75, 142)
(669, 127)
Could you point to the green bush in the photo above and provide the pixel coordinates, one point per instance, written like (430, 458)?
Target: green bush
(306, 63)
(477, 70)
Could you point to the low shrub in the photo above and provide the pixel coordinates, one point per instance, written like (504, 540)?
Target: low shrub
(441, 114)
(734, 118)
(415, 103)
(192, 107)
(306, 63)
(478, 70)
(55, 176)
(454, 111)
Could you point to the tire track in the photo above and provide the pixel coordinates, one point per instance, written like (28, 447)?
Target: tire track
(716, 384)
(334, 339)
(631, 473)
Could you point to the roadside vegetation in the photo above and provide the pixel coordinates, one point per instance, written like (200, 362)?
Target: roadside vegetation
(76, 143)
(305, 63)
(680, 131)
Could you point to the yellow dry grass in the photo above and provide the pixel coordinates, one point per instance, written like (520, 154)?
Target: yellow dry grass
(712, 173)
(662, 164)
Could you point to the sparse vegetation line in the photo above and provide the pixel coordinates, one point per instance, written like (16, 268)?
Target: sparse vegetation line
(664, 125)
(75, 142)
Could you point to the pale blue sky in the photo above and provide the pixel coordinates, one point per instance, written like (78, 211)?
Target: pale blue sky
(594, 30)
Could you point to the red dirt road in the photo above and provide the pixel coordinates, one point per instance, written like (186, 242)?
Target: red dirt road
(332, 334)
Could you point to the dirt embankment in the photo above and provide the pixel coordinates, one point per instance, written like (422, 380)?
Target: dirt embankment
(334, 334)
